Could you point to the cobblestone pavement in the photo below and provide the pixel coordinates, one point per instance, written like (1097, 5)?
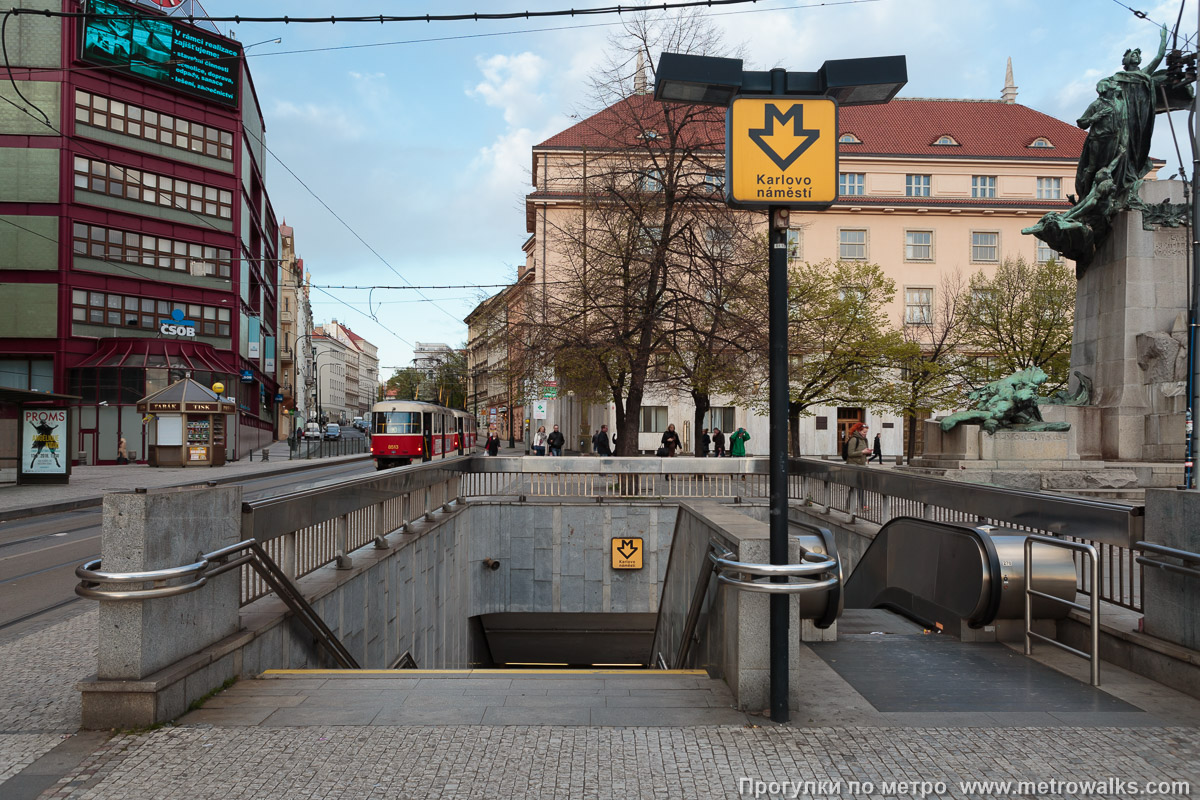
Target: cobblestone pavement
(38, 702)
(348, 763)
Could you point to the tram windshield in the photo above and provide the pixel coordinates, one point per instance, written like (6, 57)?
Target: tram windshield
(396, 422)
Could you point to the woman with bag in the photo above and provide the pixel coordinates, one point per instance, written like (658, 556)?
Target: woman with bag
(856, 445)
(670, 441)
(539, 441)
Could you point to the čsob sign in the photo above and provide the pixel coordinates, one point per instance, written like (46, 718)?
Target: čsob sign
(177, 325)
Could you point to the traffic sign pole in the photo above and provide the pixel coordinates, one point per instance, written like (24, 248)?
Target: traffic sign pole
(777, 314)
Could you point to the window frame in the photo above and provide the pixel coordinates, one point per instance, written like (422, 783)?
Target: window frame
(918, 185)
(134, 247)
(655, 421)
(910, 246)
(864, 244)
(1051, 189)
(795, 244)
(975, 245)
(845, 186)
(133, 120)
(983, 187)
(924, 305)
(140, 186)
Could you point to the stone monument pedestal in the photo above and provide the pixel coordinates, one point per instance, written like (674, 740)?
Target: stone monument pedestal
(1127, 334)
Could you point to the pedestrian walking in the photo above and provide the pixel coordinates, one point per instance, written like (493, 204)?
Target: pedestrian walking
(555, 441)
(600, 443)
(705, 441)
(737, 443)
(718, 440)
(856, 445)
(876, 450)
(122, 452)
(493, 444)
(670, 441)
(539, 441)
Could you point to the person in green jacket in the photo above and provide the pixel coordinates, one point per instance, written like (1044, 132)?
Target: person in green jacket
(737, 442)
(857, 448)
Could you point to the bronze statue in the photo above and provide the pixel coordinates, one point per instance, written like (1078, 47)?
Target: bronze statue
(1116, 157)
(1010, 403)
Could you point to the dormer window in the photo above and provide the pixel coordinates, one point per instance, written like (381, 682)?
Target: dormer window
(946, 140)
(849, 138)
(1041, 141)
(649, 135)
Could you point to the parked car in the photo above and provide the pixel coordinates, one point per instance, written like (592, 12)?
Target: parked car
(359, 424)
(312, 430)
(333, 431)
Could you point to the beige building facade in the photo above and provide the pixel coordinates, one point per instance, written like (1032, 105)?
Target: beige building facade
(295, 334)
(927, 188)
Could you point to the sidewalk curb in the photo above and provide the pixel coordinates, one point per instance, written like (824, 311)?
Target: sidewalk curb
(15, 514)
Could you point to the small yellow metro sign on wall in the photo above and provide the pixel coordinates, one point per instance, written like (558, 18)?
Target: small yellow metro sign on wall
(627, 553)
(781, 151)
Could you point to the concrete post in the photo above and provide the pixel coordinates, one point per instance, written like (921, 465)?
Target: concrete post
(156, 530)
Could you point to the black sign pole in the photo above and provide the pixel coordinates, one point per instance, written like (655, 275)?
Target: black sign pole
(777, 301)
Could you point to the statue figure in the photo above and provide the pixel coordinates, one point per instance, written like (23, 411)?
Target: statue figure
(1116, 157)
(1081, 396)
(1010, 403)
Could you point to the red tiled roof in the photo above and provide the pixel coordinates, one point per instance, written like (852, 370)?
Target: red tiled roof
(906, 127)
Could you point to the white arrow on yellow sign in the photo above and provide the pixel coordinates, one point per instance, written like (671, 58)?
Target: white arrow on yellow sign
(781, 151)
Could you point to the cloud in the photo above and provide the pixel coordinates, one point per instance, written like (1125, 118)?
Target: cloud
(510, 83)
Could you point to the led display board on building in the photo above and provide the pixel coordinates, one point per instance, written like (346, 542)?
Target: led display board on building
(158, 50)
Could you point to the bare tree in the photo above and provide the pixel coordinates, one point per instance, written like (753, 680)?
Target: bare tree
(614, 303)
(930, 363)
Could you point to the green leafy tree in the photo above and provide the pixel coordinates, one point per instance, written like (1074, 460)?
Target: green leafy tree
(840, 341)
(1022, 316)
(405, 383)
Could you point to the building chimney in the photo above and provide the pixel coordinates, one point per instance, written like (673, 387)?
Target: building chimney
(639, 77)
(1009, 95)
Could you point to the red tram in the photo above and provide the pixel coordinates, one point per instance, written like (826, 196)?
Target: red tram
(404, 430)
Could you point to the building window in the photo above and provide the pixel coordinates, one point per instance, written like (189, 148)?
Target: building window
(852, 183)
(985, 246)
(714, 182)
(916, 185)
(983, 186)
(719, 417)
(849, 138)
(123, 311)
(110, 244)
(651, 181)
(150, 187)
(1045, 252)
(946, 140)
(654, 419)
(36, 374)
(918, 245)
(794, 241)
(1049, 188)
(719, 241)
(1041, 141)
(918, 306)
(93, 109)
(852, 245)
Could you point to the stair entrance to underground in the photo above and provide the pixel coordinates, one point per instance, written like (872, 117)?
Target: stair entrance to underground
(562, 640)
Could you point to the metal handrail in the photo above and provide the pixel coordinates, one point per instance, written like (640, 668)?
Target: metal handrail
(207, 566)
(1030, 593)
(1179, 569)
(818, 564)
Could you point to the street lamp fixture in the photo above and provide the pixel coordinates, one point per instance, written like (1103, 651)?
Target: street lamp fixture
(783, 95)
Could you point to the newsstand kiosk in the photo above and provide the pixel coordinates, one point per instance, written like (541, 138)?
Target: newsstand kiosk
(189, 425)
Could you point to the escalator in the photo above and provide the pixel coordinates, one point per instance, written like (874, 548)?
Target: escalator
(942, 575)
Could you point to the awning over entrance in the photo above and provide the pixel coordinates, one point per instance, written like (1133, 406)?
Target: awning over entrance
(27, 396)
(157, 354)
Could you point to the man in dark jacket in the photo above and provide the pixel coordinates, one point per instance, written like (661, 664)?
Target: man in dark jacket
(705, 441)
(670, 441)
(718, 440)
(556, 441)
(600, 443)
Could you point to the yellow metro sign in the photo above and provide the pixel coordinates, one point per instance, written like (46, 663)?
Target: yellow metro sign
(781, 151)
(627, 553)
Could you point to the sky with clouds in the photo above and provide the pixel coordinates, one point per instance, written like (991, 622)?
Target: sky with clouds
(418, 135)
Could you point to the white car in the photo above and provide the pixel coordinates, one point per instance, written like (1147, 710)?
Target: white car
(312, 430)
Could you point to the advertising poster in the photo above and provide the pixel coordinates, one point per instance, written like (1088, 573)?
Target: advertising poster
(43, 441)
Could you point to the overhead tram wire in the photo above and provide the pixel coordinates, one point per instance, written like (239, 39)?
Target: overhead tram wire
(392, 18)
(438, 39)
